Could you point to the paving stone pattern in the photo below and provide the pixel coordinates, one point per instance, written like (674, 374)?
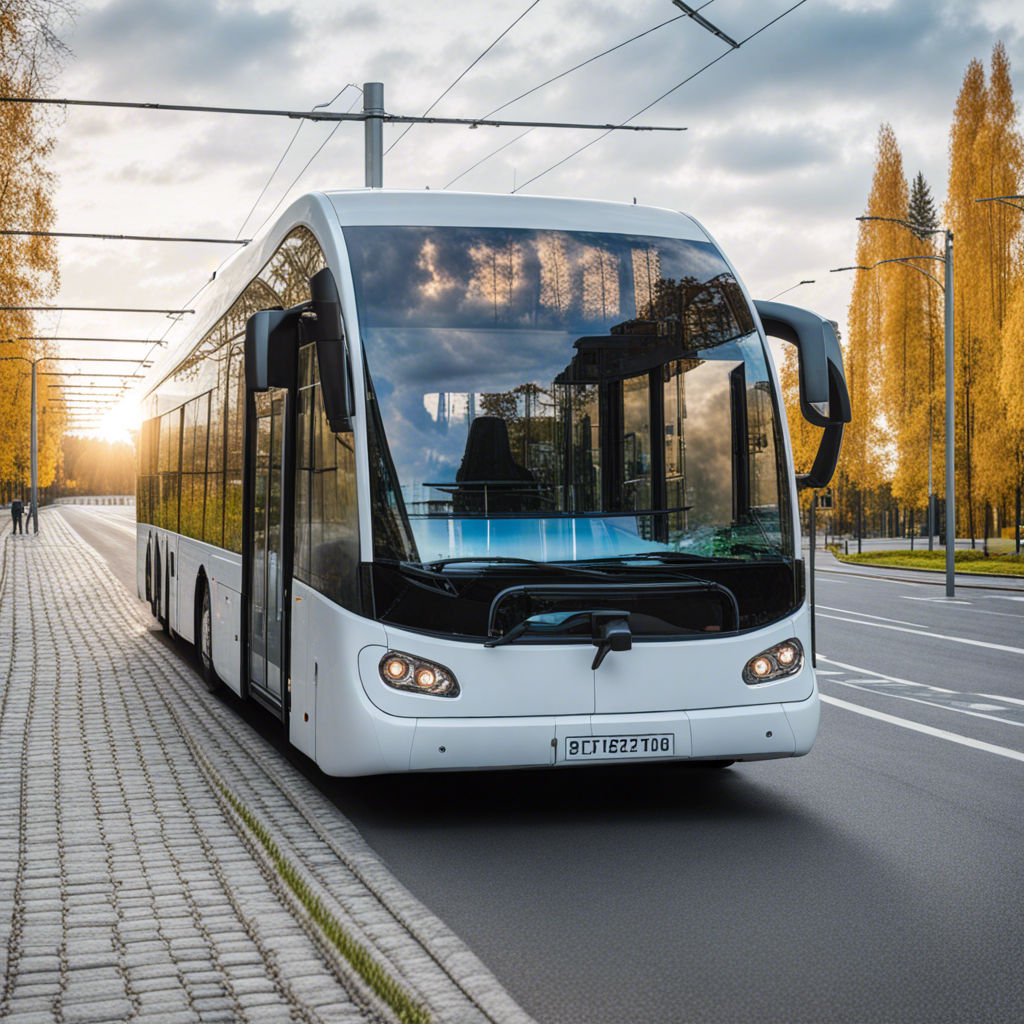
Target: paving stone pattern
(130, 889)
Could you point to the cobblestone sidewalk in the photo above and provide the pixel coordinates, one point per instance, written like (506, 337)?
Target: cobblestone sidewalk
(161, 862)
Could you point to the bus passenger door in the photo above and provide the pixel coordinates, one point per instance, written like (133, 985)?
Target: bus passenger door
(267, 618)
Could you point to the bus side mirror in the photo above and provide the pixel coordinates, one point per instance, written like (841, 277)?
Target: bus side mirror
(271, 347)
(331, 351)
(824, 398)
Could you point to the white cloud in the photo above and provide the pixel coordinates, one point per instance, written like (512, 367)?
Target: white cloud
(776, 163)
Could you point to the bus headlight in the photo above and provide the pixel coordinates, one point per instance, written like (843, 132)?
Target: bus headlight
(785, 659)
(407, 672)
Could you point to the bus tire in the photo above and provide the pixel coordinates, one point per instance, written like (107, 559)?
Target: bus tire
(160, 601)
(149, 576)
(713, 764)
(204, 641)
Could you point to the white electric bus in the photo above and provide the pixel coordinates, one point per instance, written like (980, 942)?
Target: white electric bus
(452, 481)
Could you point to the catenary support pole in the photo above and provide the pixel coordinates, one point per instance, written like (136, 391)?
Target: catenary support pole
(950, 425)
(35, 458)
(373, 103)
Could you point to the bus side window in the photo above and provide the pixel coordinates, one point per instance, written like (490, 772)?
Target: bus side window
(326, 512)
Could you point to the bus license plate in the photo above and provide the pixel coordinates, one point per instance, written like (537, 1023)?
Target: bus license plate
(600, 748)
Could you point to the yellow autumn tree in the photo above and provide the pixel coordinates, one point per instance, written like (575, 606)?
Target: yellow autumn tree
(30, 54)
(999, 163)
(986, 158)
(863, 464)
(1011, 376)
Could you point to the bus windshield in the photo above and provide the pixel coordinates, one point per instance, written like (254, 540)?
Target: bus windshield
(564, 396)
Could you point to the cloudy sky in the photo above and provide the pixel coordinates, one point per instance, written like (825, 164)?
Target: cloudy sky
(776, 163)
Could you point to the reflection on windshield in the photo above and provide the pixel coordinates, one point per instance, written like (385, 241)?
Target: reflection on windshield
(555, 396)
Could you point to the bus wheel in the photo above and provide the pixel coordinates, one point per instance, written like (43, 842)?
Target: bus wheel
(149, 577)
(204, 642)
(712, 764)
(160, 602)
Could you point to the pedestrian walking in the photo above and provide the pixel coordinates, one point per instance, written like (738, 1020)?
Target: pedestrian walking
(17, 508)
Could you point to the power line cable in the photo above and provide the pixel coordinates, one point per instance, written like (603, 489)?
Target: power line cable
(590, 60)
(263, 192)
(464, 73)
(305, 167)
(663, 95)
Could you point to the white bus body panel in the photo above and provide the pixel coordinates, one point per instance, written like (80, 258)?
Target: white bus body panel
(363, 727)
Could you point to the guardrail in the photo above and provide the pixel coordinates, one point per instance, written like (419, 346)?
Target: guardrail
(95, 499)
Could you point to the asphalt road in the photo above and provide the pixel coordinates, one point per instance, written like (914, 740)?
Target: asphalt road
(881, 878)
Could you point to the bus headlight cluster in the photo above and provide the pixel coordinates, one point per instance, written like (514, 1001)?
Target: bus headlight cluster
(406, 672)
(785, 659)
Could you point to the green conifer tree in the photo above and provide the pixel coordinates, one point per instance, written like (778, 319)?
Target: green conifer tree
(921, 208)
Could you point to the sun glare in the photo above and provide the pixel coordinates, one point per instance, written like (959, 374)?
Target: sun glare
(116, 425)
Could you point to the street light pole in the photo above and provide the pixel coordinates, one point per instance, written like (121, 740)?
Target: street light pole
(947, 287)
(950, 417)
(35, 457)
(34, 444)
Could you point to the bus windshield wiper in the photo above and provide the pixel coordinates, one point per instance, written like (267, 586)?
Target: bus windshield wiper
(682, 558)
(560, 567)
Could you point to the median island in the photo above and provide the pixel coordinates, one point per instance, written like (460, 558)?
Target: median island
(935, 561)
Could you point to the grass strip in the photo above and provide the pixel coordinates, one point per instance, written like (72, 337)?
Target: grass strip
(964, 561)
(408, 1011)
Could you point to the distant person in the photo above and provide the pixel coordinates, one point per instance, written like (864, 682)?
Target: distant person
(17, 508)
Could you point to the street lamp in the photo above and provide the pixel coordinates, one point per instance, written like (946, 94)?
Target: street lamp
(34, 448)
(947, 287)
(789, 289)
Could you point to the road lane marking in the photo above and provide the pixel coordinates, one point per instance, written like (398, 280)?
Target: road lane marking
(931, 703)
(1011, 700)
(977, 611)
(934, 636)
(884, 618)
(876, 579)
(124, 526)
(991, 748)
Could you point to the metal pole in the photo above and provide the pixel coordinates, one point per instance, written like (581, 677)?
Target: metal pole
(814, 650)
(931, 540)
(35, 458)
(373, 103)
(950, 425)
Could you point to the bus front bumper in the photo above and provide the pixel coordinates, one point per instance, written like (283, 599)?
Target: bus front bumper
(750, 733)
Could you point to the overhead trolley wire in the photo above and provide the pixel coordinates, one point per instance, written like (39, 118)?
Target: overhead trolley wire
(536, 88)
(464, 73)
(130, 238)
(263, 192)
(668, 92)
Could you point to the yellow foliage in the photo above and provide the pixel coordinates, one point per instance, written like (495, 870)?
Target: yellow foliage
(986, 159)
(28, 265)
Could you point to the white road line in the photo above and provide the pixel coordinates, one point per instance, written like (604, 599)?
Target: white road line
(107, 520)
(930, 703)
(884, 618)
(873, 579)
(953, 737)
(934, 636)
(1012, 700)
(977, 611)
(1001, 597)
